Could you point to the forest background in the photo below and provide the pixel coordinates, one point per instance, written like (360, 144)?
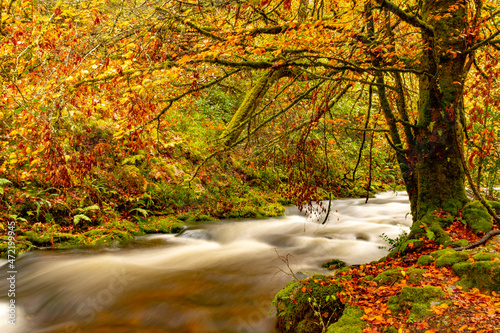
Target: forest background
(114, 111)
(120, 118)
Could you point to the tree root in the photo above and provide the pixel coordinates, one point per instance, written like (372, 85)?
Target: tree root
(479, 242)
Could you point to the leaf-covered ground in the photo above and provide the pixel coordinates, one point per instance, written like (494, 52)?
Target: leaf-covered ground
(457, 311)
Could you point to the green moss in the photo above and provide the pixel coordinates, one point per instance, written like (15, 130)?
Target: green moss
(417, 300)
(431, 227)
(457, 243)
(165, 225)
(439, 253)
(334, 264)
(451, 258)
(485, 256)
(369, 278)
(22, 245)
(495, 205)
(461, 268)
(389, 329)
(393, 275)
(350, 322)
(300, 304)
(477, 217)
(425, 260)
(483, 275)
(406, 246)
(102, 236)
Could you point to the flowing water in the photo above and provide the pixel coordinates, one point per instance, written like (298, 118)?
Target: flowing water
(220, 277)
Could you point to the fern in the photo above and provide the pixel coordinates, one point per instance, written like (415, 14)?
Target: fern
(3, 182)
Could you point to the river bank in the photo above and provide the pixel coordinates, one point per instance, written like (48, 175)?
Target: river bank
(420, 287)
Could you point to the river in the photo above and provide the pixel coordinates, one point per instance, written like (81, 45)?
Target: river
(220, 277)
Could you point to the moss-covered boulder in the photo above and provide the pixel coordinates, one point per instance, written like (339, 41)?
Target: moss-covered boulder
(425, 260)
(307, 306)
(477, 217)
(417, 300)
(485, 256)
(439, 253)
(350, 322)
(483, 275)
(393, 275)
(451, 258)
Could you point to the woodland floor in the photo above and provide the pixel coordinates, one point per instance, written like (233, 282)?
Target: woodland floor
(464, 311)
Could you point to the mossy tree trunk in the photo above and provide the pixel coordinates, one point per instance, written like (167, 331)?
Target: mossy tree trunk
(440, 176)
(431, 161)
(247, 107)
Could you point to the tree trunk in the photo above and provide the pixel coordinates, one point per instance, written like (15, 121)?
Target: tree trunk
(440, 176)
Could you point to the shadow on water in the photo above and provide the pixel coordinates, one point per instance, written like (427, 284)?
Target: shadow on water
(220, 277)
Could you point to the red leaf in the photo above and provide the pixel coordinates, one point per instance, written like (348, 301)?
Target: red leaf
(287, 5)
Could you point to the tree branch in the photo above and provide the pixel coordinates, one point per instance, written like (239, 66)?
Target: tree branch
(408, 18)
(479, 242)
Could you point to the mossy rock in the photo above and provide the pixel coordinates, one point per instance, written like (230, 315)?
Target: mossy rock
(451, 258)
(485, 256)
(417, 300)
(301, 304)
(350, 322)
(334, 264)
(425, 260)
(457, 243)
(439, 253)
(393, 275)
(477, 217)
(483, 275)
(37, 238)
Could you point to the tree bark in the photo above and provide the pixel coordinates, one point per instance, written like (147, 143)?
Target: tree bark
(440, 176)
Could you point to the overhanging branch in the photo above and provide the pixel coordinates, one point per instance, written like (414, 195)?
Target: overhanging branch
(407, 17)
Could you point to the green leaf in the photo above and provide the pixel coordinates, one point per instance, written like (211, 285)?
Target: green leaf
(431, 125)
(4, 181)
(142, 211)
(79, 217)
(89, 208)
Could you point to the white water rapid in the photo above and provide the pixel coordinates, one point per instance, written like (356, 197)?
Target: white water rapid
(220, 277)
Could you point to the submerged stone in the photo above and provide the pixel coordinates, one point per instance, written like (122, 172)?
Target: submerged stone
(334, 264)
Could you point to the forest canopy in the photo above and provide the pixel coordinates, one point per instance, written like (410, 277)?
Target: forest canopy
(323, 96)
